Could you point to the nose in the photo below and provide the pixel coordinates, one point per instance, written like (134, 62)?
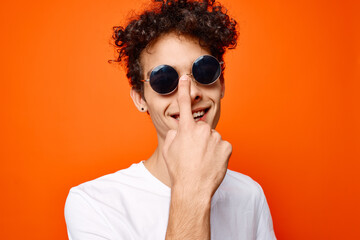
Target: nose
(195, 90)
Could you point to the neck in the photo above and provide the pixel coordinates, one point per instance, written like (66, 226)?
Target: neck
(156, 165)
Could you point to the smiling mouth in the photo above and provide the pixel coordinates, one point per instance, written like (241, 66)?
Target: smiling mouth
(197, 114)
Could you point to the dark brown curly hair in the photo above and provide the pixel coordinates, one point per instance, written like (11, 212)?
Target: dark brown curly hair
(206, 20)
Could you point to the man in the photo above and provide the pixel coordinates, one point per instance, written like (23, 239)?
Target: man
(173, 55)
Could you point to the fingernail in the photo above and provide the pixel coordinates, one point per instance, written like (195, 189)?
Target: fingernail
(183, 77)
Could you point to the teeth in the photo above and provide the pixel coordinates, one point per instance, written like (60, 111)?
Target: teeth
(195, 115)
(198, 114)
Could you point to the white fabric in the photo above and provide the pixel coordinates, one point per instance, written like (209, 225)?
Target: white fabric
(132, 204)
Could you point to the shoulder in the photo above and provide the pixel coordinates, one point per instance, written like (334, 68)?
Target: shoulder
(109, 182)
(241, 181)
(248, 194)
(106, 189)
(102, 191)
(239, 185)
(91, 207)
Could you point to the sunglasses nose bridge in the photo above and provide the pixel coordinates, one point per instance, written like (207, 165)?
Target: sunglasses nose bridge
(192, 78)
(189, 75)
(195, 90)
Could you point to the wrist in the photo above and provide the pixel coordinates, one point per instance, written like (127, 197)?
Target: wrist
(191, 196)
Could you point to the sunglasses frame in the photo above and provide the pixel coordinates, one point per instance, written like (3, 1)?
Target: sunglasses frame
(189, 74)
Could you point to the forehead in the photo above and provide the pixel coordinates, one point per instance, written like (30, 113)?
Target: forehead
(179, 51)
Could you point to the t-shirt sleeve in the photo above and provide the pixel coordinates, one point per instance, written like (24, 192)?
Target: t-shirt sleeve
(85, 222)
(265, 229)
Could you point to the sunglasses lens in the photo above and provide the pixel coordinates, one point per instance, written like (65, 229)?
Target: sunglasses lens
(164, 79)
(206, 69)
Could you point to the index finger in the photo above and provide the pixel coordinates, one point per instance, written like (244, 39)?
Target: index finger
(184, 101)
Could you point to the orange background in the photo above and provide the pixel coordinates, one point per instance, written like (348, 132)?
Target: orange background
(289, 111)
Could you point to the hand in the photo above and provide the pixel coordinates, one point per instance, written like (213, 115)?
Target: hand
(195, 155)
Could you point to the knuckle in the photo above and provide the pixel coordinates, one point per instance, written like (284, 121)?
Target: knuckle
(216, 136)
(184, 127)
(227, 146)
(164, 152)
(205, 127)
(170, 133)
(204, 130)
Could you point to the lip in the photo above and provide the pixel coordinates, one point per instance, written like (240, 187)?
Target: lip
(205, 109)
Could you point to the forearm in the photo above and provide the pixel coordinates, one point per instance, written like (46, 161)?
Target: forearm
(189, 216)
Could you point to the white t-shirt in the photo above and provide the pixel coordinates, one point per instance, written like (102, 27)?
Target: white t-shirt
(132, 204)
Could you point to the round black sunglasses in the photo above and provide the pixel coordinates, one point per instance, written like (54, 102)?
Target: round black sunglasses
(164, 79)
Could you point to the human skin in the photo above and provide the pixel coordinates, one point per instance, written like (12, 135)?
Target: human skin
(191, 157)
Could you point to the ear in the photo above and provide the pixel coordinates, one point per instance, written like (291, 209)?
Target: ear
(138, 100)
(222, 89)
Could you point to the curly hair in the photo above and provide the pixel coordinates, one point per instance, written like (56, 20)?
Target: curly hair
(205, 20)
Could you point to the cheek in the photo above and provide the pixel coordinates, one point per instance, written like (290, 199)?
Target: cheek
(157, 105)
(147, 91)
(216, 93)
